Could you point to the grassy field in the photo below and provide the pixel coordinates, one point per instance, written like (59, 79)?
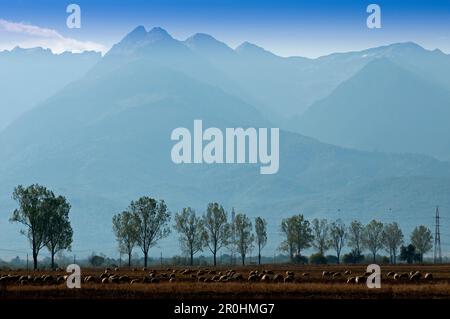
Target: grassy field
(308, 282)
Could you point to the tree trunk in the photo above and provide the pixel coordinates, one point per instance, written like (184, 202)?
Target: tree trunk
(338, 257)
(35, 255)
(243, 259)
(53, 259)
(374, 256)
(214, 256)
(129, 259)
(145, 258)
(192, 258)
(259, 254)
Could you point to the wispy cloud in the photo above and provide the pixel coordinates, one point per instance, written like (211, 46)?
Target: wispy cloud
(27, 36)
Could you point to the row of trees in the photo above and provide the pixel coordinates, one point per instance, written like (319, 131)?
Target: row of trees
(300, 234)
(146, 221)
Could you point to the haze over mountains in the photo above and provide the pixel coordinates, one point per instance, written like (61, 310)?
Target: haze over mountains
(400, 107)
(104, 139)
(384, 107)
(29, 76)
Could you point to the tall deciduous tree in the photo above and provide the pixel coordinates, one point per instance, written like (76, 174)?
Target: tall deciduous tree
(355, 237)
(152, 218)
(298, 235)
(320, 230)
(422, 239)
(125, 228)
(338, 234)
(261, 235)
(392, 239)
(34, 215)
(244, 236)
(59, 231)
(288, 229)
(373, 237)
(217, 230)
(191, 230)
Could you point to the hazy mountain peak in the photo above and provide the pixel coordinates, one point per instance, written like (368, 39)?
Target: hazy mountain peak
(397, 49)
(158, 33)
(203, 41)
(250, 48)
(407, 46)
(138, 34)
(202, 38)
(139, 38)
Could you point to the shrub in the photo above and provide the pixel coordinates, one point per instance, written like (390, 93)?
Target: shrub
(353, 258)
(409, 254)
(332, 259)
(299, 259)
(317, 259)
(96, 261)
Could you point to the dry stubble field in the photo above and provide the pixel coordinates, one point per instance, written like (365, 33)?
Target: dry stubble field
(307, 282)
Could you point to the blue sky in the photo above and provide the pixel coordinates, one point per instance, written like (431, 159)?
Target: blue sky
(305, 28)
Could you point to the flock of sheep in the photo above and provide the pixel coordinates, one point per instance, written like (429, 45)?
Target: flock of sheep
(357, 279)
(114, 276)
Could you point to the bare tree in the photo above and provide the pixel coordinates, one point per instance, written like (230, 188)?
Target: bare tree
(392, 240)
(191, 230)
(373, 237)
(125, 228)
(320, 230)
(261, 235)
(338, 235)
(152, 218)
(217, 230)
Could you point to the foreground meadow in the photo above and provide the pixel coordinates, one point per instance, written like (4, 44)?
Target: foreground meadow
(274, 282)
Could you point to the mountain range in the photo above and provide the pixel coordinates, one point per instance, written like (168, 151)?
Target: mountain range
(104, 139)
(29, 76)
(384, 107)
